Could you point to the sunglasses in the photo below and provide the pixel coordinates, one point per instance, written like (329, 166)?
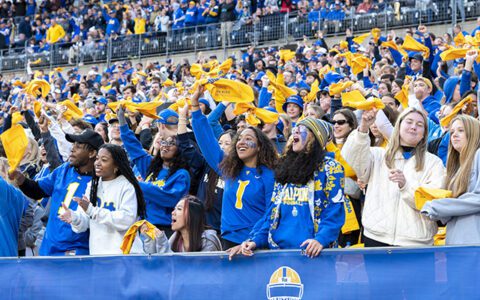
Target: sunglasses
(339, 122)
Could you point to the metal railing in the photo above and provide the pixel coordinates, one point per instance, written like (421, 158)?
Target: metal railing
(273, 29)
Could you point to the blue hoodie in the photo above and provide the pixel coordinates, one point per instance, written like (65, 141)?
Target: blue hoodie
(449, 88)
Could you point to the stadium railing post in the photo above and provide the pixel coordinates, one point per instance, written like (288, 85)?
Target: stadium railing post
(140, 47)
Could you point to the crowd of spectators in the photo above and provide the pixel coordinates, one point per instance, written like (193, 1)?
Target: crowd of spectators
(314, 147)
(39, 25)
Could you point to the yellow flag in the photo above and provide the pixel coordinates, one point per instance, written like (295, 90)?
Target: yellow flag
(15, 143)
(227, 90)
(196, 70)
(169, 83)
(72, 110)
(255, 114)
(337, 88)
(19, 84)
(439, 238)
(356, 100)
(312, 95)
(349, 172)
(37, 108)
(394, 46)
(359, 39)
(445, 121)
(180, 103)
(38, 87)
(36, 62)
(286, 54)
(459, 40)
(16, 117)
(359, 63)
(423, 195)
(402, 95)
(129, 236)
(376, 33)
(148, 109)
(454, 53)
(411, 44)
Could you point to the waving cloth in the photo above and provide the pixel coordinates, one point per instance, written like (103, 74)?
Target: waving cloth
(72, 110)
(129, 237)
(411, 44)
(445, 121)
(148, 109)
(255, 114)
(15, 143)
(356, 100)
(38, 87)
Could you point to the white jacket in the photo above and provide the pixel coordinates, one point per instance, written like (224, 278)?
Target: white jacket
(115, 212)
(389, 215)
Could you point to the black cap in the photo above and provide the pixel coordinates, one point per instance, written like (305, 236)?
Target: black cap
(417, 56)
(88, 136)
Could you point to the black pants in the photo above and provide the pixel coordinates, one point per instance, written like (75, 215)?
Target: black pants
(373, 243)
(226, 244)
(167, 229)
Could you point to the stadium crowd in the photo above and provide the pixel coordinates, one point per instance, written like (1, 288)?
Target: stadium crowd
(36, 26)
(369, 142)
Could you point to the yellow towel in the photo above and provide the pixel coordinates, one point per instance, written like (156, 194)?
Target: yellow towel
(129, 237)
(15, 143)
(423, 195)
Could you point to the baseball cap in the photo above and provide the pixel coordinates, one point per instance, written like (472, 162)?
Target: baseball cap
(88, 136)
(168, 117)
(426, 80)
(101, 100)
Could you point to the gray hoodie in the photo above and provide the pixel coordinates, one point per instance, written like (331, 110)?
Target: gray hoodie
(462, 214)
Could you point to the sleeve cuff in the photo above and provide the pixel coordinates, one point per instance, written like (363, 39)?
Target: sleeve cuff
(90, 210)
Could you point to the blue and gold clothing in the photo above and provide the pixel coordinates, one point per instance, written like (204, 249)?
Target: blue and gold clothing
(245, 198)
(300, 212)
(62, 185)
(11, 208)
(161, 194)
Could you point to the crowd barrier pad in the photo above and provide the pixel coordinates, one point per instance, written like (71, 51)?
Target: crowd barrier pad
(379, 273)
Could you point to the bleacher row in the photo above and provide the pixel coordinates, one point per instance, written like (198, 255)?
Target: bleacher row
(273, 28)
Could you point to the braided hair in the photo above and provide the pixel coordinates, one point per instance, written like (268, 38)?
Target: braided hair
(121, 161)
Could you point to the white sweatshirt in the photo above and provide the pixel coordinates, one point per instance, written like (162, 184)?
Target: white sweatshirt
(115, 212)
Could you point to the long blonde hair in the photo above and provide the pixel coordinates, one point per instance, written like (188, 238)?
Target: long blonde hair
(394, 144)
(459, 164)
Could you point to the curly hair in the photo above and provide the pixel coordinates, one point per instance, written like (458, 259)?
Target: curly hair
(299, 168)
(232, 165)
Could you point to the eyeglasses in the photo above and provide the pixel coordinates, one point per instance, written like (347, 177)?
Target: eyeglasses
(339, 122)
(170, 143)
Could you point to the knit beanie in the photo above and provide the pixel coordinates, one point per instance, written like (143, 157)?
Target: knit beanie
(319, 129)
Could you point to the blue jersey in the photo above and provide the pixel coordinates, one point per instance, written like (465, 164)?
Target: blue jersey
(161, 194)
(300, 212)
(11, 209)
(178, 19)
(191, 16)
(246, 197)
(62, 185)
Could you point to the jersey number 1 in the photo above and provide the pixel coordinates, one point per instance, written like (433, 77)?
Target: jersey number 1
(241, 189)
(71, 189)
